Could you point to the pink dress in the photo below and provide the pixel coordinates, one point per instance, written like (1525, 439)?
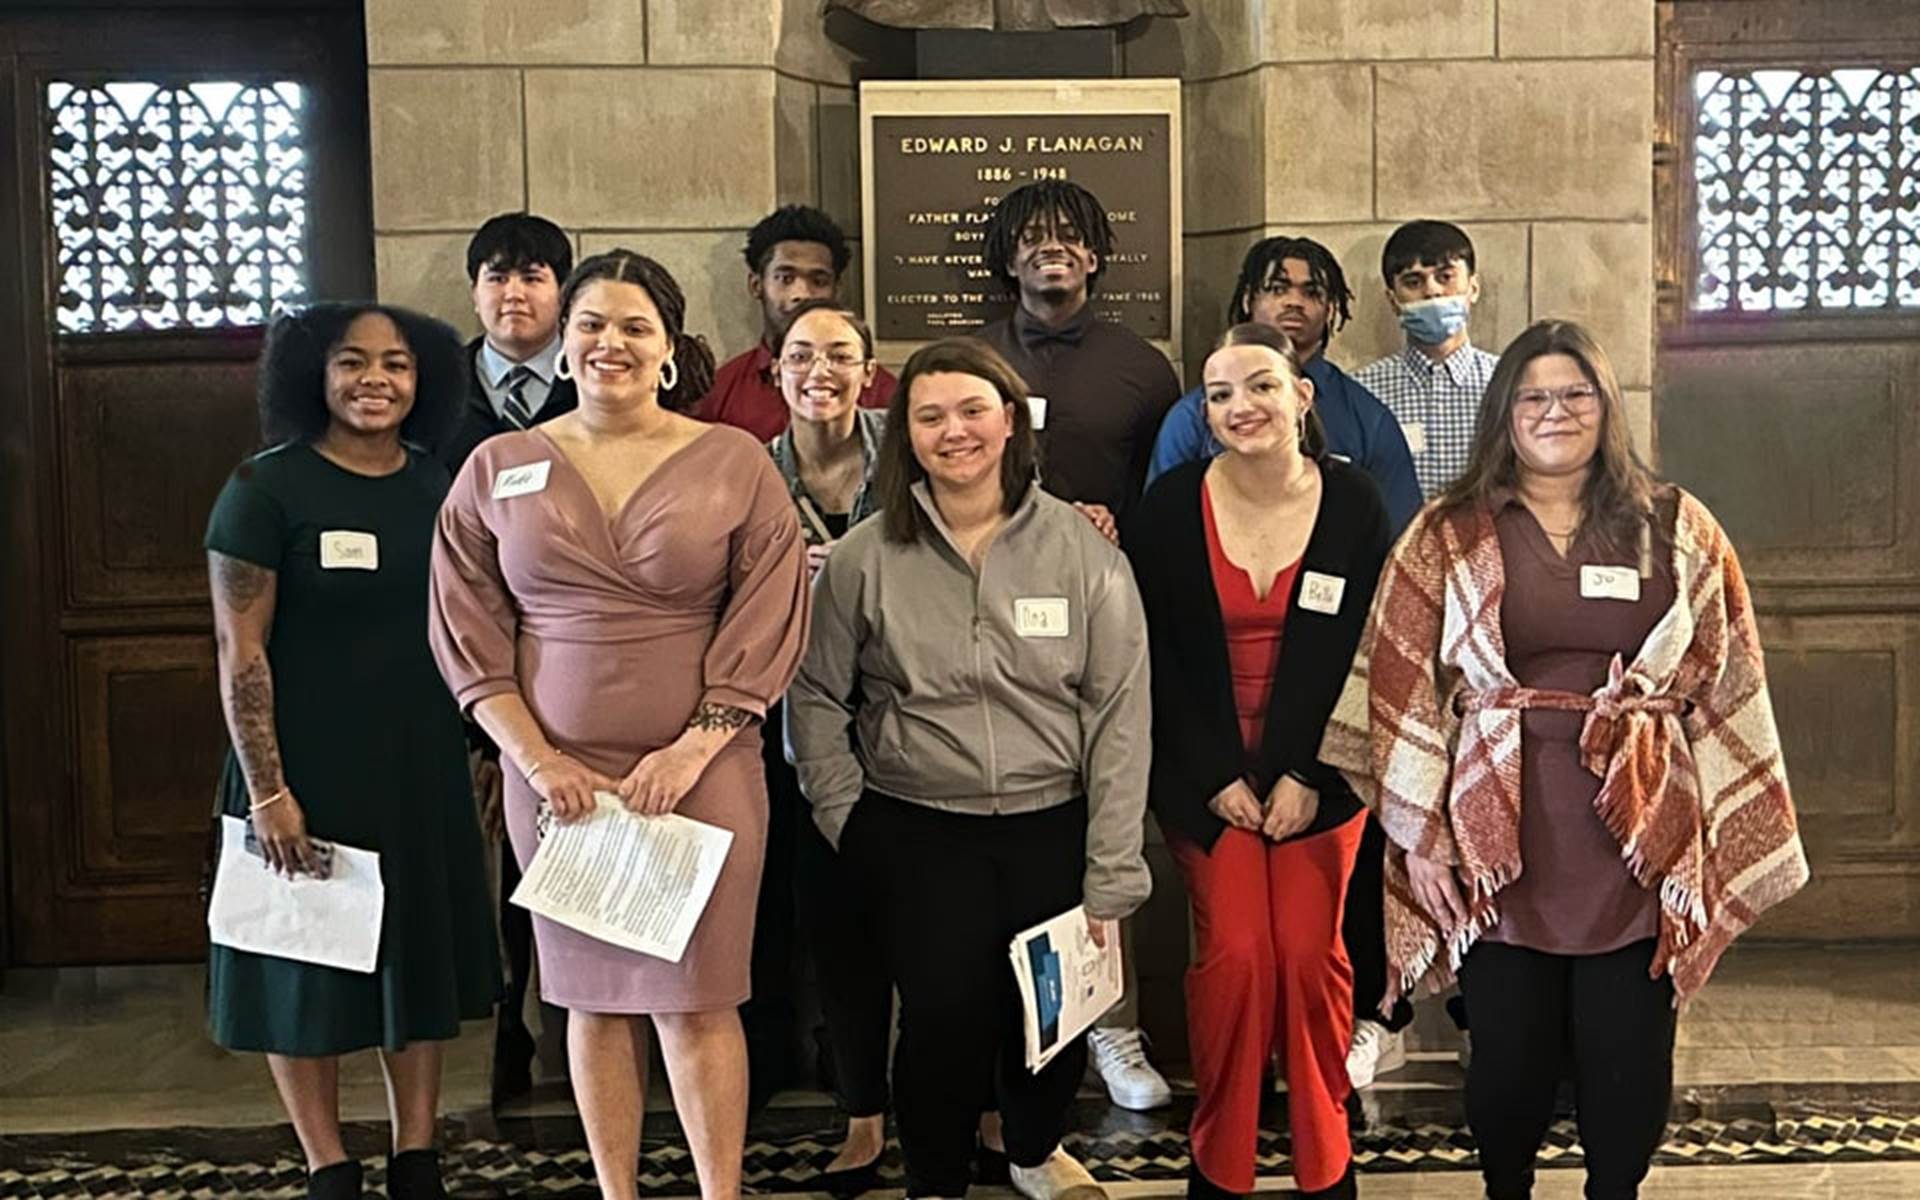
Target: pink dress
(614, 630)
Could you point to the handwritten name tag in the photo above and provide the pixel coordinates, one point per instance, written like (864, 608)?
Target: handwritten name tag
(1037, 411)
(521, 481)
(1321, 593)
(349, 549)
(1610, 583)
(1416, 432)
(1040, 617)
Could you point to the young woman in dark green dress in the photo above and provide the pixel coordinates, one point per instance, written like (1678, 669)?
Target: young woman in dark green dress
(341, 728)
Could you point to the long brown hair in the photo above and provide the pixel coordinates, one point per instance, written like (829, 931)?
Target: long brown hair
(1617, 499)
(1313, 433)
(692, 357)
(898, 470)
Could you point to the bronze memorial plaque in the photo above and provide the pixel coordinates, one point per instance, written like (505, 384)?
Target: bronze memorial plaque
(935, 180)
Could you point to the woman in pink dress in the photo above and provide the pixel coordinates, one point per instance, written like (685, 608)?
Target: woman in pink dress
(618, 594)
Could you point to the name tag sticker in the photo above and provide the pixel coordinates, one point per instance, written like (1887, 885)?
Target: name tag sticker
(1040, 617)
(521, 481)
(349, 549)
(1037, 411)
(1321, 593)
(1416, 432)
(1610, 583)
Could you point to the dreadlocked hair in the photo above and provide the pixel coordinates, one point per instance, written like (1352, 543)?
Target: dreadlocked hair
(1054, 203)
(692, 358)
(1264, 258)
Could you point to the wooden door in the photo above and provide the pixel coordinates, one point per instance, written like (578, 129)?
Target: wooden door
(174, 174)
(1787, 396)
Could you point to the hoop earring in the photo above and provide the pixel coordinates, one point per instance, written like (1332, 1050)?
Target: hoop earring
(669, 375)
(560, 369)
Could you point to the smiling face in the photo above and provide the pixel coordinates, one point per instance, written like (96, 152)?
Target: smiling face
(823, 367)
(1289, 300)
(519, 307)
(1052, 261)
(615, 342)
(370, 377)
(1254, 401)
(959, 428)
(1556, 417)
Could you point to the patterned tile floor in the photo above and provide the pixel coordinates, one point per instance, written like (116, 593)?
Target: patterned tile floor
(543, 1157)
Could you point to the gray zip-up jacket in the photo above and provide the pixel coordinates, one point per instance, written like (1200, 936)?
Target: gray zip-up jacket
(1010, 692)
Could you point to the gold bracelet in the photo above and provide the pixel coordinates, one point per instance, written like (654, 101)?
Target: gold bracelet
(256, 805)
(543, 764)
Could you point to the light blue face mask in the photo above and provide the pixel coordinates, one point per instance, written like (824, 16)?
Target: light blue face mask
(1431, 322)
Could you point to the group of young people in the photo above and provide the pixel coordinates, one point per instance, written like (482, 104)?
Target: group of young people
(1423, 675)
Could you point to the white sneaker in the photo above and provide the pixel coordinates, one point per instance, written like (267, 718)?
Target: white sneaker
(1376, 1050)
(1120, 1056)
(1061, 1177)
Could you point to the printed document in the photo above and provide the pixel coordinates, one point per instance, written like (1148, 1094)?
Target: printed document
(638, 882)
(1066, 982)
(333, 922)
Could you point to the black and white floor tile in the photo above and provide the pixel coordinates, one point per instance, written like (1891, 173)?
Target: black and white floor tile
(549, 1162)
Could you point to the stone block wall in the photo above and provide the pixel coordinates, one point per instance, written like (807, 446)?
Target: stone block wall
(667, 125)
(1527, 122)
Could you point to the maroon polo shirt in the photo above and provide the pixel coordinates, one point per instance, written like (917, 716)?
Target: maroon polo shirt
(746, 394)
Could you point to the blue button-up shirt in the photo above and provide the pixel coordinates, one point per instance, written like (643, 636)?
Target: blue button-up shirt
(1359, 429)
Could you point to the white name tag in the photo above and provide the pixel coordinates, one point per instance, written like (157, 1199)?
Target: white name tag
(520, 481)
(1321, 593)
(1040, 617)
(1416, 432)
(1037, 411)
(1609, 583)
(349, 549)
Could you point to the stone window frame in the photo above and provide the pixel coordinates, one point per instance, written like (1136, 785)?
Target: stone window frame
(1737, 36)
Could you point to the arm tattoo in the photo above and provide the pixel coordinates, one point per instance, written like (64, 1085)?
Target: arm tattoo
(250, 718)
(723, 718)
(239, 582)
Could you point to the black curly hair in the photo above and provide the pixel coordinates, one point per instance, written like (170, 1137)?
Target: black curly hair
(1264, 258)
(1055, 202)
(795, 223)
(692, 357)
(293, 372)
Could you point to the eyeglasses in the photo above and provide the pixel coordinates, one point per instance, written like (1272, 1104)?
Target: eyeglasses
(1578, 399)
(800, 361)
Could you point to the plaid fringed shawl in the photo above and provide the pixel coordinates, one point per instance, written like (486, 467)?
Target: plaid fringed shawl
(1427, 730)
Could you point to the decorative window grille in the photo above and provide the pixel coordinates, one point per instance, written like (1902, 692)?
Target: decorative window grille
(176, 206)
(1808, 190)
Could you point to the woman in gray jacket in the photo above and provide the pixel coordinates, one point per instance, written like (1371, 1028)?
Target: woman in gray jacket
(971, 726)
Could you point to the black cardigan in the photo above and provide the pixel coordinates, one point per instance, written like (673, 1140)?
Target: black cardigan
(1197, 749)
(478, 421)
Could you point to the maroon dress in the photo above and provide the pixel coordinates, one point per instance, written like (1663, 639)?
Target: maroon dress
(613, 630)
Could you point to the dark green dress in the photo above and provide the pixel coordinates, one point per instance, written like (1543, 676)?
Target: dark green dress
(374, 750)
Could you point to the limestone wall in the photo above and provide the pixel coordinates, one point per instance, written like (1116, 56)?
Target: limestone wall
(1528, 122)
(669, 125)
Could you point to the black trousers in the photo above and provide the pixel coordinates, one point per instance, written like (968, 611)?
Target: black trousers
(1363, 927)
(950, 892)
(809, 905)
(1598, 1017)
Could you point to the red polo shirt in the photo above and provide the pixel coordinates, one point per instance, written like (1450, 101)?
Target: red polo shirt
(746, 394)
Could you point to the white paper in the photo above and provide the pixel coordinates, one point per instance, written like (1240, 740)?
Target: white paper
(637, 882)
(332, 922)
(1066, 982)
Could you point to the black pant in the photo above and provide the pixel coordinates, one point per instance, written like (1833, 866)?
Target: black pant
(950, 891)
(1538, 1015)
(803, 878)
(1363, 927)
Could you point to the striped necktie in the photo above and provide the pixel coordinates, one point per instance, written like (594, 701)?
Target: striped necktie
(514, 406)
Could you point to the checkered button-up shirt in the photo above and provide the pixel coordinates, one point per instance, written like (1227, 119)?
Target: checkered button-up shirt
(1436, 404)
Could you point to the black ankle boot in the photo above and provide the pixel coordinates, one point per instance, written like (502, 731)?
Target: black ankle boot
(1343, 1188)
(415, 1175)
(341, 1181)
(1199, 1187)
